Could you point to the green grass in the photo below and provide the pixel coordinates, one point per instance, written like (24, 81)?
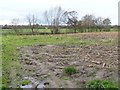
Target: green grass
(24, 82)
(100, 84)
(26, 31)
(10, 53)
(0, 61)
(69, 70)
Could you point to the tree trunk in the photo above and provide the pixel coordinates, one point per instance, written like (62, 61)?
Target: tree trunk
(32, 31)
(55, 30)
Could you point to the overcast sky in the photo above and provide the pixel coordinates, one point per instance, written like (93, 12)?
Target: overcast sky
(10, 9)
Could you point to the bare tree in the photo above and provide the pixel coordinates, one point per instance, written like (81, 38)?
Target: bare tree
(99, 23)
(107, 23)
(80, 26)
(72, 19)
(32, 21)
(54, 18)
(88, 21)
(15, 22)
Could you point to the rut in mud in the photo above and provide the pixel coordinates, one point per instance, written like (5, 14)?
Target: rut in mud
(45, 63)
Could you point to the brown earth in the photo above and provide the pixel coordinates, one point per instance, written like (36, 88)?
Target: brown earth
(45, 63)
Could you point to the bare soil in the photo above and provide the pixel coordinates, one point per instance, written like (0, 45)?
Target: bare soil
(45, 63)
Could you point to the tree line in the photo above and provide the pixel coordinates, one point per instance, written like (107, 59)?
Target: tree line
(57, 17)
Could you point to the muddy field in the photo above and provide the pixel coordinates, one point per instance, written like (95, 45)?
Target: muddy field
(43, 64)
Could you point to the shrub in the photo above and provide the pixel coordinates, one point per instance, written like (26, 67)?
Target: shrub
(69, 70)
(98, 84)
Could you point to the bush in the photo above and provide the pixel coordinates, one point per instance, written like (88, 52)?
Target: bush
(69, 70)
(98, 84)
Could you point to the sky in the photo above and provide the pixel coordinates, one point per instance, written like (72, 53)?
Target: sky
(10, 9)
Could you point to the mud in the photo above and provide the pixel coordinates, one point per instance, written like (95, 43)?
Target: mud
(46, 63)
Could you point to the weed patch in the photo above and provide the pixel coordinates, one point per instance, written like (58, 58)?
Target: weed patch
(69, 70)
(99, 84)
